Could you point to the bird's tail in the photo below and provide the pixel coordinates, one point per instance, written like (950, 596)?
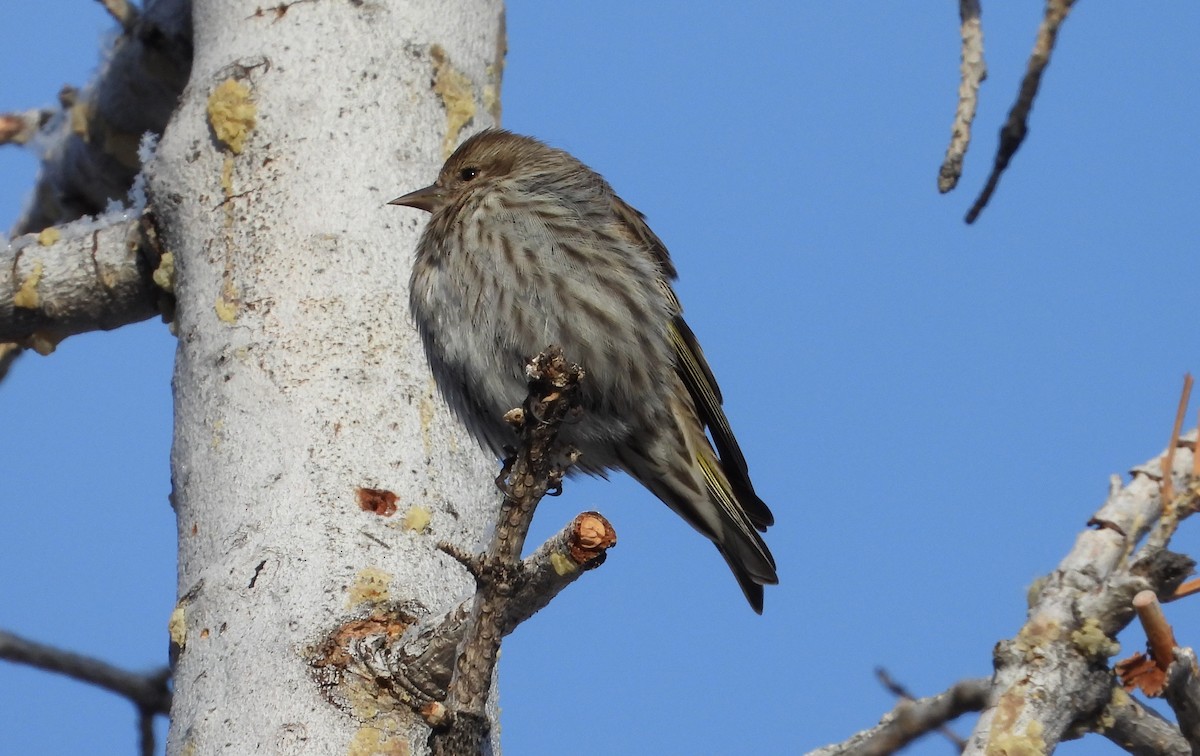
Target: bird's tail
(681, 468)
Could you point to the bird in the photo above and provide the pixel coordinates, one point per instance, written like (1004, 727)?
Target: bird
(526, 246)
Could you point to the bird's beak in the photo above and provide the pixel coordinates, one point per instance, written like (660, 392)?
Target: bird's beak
(427, 199)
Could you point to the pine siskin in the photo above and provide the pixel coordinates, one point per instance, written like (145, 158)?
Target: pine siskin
(528, 247)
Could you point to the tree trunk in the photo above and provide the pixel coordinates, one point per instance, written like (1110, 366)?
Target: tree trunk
(302, 400)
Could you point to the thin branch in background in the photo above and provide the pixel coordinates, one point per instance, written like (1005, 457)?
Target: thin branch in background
(148, 691)
(124, 12)
(911, 719)
(146, 744)
(1168, 485)
(538, 467)
(973, 72)
(1016, 127)
(903, 693)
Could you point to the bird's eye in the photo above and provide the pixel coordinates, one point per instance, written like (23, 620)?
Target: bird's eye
(466, 174)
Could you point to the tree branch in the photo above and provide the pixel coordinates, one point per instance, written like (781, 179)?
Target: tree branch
(1183, 694)
(149, 692)
(911, 719)
(77, 279)
(1054, 676)
(973, 71)
(425, 656)
(412, 661)
(1140, 731)
(1016, 127)
(538, 468)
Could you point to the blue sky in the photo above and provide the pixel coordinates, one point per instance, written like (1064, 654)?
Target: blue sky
(932, 410)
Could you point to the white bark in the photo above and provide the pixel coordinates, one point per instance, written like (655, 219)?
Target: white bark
(80, 277)
(299, 377)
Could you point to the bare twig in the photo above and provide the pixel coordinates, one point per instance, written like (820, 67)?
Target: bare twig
(1168, 487)
(539, 467)
(898, 690)
(149, 692)
(1015, 128)
(1183, 694)
(423, 659)
(146, 732)
(1138, 730)
(911, 719)
(973, 71)
(1159, 636)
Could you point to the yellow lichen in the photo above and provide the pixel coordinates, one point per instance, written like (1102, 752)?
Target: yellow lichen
(164, 275)
(1034, 594)
(458, 98)
(227, 303)
(491, 101)
(417, 519)
(1007, 744)
(371, 741)
(370, 586)
(27, 296)
(1035, 636)
(43, 342)
(562, 565)
(227, 179)
(177, 625)
(77, 116)
(425, 410)
(48, 236)
(231, 114)
(1092, 642)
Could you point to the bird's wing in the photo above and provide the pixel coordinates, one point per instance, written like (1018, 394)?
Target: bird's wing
(697, 375)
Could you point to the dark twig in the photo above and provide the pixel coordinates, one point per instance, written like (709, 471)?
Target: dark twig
(1016, 127)
(145, 732)
(149, 692)
(912, 719)
(539, 466)
(901, 692)
(973, 70)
